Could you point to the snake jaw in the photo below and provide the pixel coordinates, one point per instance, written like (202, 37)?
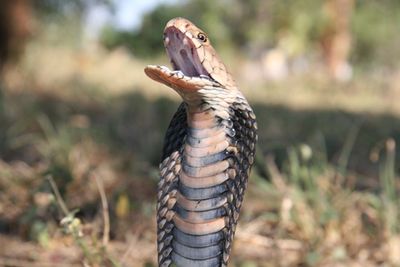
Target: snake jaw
(189, 74)
(190, 52)
(183, 53)
(177, 80)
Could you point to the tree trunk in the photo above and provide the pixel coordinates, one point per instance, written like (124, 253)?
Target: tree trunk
(15, 28)
(336, 40)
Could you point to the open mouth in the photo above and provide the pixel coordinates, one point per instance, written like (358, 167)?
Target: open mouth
(183, 53)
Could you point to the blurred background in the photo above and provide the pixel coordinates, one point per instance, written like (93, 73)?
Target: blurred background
(81, 129)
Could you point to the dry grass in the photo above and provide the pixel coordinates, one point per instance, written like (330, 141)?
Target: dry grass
(94, 122)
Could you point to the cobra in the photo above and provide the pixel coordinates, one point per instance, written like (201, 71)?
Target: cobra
(208, 152)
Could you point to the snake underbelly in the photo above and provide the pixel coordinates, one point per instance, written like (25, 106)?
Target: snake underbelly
(203, 195)
(203, 179)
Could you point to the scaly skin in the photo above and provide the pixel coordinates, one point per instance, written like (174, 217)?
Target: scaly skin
(208, 153)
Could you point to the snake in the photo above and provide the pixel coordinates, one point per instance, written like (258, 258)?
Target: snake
(209, 149)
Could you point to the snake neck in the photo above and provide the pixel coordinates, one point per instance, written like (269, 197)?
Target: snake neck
(207, 142)
(221, 127)
(210, 128)
(206, 166)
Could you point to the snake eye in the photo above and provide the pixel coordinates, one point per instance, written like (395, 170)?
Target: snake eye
(202, 37)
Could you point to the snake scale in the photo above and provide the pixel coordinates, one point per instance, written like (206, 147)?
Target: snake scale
(208, 152)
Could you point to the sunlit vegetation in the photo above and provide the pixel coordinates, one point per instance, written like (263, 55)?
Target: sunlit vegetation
(81, 131)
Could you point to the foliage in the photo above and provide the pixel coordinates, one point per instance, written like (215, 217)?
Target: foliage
(296, 26)
(146, 40)
(60, 7)
(375, 33)
(324, 190)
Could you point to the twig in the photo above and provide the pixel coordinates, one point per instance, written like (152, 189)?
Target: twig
(131, 246)
(276, 176)
(104, 204)
(344, 156)
(59, 199)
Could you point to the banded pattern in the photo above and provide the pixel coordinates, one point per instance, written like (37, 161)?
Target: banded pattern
(203, 178)
(208, 153)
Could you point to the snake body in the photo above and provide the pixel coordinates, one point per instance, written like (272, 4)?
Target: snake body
(208, 152)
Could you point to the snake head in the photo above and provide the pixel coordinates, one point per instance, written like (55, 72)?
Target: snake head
(192, 55)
